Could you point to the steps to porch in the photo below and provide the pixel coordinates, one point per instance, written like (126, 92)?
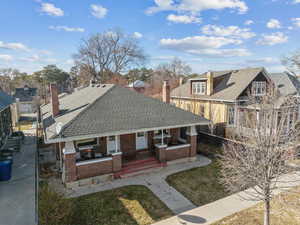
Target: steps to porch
(138, 167)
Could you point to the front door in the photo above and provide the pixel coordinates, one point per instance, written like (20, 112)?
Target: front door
(111, 144)
(141, 141)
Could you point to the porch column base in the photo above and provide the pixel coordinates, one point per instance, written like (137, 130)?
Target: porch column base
(117, 161)
(192, 140)
(69, 170)
(161, 152)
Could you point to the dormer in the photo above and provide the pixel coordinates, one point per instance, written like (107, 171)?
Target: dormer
(202, 86)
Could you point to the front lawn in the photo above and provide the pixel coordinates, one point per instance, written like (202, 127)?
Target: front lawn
(199, 185)
(135, 205)
(285, 210)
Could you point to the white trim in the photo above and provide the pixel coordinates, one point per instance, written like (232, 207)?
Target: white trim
(178, 146)
(117, 153)
(75, 138)
(158, 137)
(69, 148)
(93, 161)
(85, 147)
(161, 146)
(203, 99)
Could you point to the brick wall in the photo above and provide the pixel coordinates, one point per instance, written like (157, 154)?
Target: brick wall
(94, 169)
(177, 153)
(128, 145)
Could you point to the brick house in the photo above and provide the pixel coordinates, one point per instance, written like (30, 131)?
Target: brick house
(107, 129)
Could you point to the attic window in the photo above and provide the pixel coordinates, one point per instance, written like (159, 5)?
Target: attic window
(199, 88)
(259, 88)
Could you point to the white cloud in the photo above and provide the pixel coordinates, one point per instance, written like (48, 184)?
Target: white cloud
(264, 60)
(70, 62)
(51, 10)
(230, 31)
(137, 35)
(183, 19)
(37, 58)
(296, 1)
(196, 6)
(14, 46)
(273, 39)
(98, 11)
(249, 22)
(205, 45)
(6, 57)
(273, 24)
(67, 29)
(296, 21)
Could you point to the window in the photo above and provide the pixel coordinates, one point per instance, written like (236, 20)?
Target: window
(259, 88)
(199, 88)
(140, 134)
(86, 142)
(231, 115)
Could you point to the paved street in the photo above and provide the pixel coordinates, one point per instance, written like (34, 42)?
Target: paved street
(155, 181)
(17, 196)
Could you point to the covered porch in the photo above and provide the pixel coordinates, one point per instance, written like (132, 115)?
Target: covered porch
(114, 154)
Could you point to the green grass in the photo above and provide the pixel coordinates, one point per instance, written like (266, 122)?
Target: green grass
(135, 205)
(199, 185)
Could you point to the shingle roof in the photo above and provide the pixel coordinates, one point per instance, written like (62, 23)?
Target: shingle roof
(5, 100)
(286, 83)
(99, 111)
(233, 83)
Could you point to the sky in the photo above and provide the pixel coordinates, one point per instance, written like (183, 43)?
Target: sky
(206, 34)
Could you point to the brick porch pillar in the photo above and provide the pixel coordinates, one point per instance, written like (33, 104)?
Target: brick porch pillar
(161, 152)
(117, 161)
(150, 140)
(192, 140)
(174, 132)
(69, 171)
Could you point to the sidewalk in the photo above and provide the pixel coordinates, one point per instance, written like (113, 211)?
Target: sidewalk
(155, 181)
(217, 210)
(17, 196)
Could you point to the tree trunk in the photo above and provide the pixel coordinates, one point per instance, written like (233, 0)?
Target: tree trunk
(267, 213)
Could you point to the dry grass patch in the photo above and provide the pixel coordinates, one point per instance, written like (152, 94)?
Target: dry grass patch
(199, 185)
(285, 210)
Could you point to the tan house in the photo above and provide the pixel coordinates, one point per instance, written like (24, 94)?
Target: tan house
(216, 95)
(105, 129)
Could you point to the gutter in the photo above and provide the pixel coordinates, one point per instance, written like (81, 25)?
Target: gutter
(82, 137)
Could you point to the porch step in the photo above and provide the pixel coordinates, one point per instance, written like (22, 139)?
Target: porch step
(138, 167)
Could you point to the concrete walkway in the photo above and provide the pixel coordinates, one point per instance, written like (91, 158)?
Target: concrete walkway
(155, 181)
(217, 210)
(17, 196)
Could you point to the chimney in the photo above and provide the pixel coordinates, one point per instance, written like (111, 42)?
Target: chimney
(180, 81)
(166, 92)
(54, 99)
(210, 83)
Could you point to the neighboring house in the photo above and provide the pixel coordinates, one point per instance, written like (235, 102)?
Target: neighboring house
(26, 99)
(222, 96)
(286, 83)
(5, 117)
(107, 129)
(138, 86)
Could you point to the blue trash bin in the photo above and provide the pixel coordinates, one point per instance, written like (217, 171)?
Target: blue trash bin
(5, 170)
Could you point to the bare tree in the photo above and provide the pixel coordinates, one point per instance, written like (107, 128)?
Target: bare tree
(261, 162)
(292, 62)
(109, 52)
(175, 68)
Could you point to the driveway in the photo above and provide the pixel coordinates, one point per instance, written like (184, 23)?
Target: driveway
(17, 196)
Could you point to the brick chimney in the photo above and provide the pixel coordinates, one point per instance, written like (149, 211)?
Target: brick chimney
(210, 83)
(180, 81)
(166, 92)
(54, 99)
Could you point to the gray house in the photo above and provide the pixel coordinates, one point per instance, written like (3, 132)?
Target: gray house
(5, 117)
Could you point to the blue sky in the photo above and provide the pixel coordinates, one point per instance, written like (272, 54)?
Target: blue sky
(207, 34)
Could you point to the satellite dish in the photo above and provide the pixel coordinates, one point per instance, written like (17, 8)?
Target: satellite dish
(59, 127)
